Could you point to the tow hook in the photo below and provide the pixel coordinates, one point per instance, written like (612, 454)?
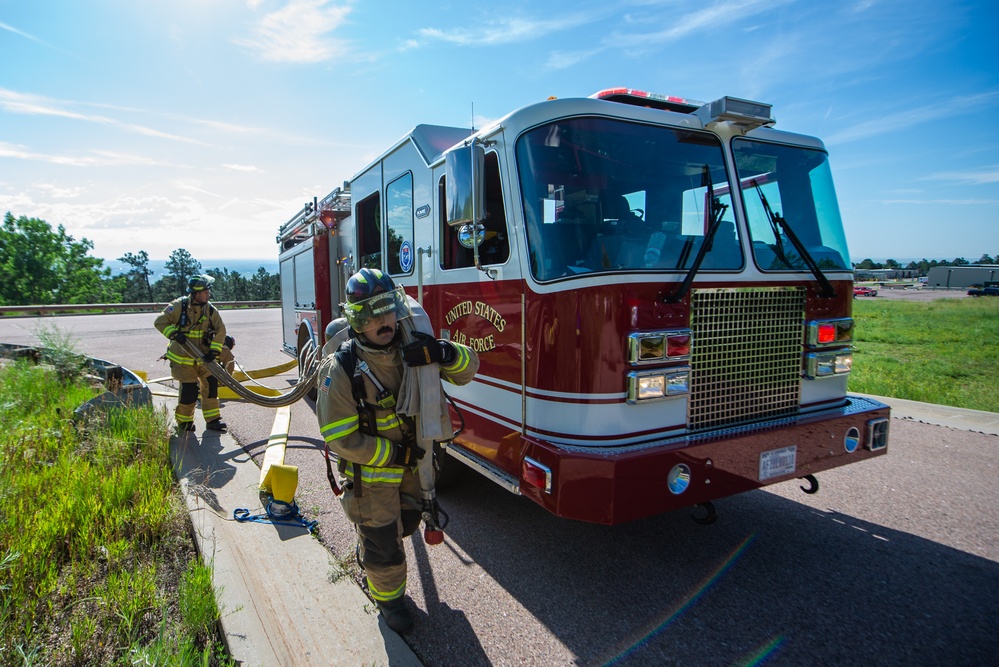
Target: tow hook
(710, 514)
(813, 484)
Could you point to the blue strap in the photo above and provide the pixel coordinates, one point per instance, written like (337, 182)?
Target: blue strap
(278, 513)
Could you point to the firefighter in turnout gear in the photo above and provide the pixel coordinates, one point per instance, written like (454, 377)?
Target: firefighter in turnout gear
(359, 390)
(193, 318)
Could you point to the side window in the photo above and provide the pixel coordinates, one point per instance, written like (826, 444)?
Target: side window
(399, 214)
(494, 246)
(369, 233)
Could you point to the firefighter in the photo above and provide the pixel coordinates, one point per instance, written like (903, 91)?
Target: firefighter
(192, 318)
(359, 387)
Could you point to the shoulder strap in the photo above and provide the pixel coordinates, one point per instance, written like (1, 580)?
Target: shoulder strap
(346, 358)
(183, 313)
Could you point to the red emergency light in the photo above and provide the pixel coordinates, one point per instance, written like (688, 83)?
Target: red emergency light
(643, 98)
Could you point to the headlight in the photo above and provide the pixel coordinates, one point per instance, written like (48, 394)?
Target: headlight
(828, 363)
(644, 386)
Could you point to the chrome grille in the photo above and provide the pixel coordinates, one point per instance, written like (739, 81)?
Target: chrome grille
(745, 355)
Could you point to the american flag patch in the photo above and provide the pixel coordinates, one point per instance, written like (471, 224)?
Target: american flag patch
(327, 381)
(169, 309)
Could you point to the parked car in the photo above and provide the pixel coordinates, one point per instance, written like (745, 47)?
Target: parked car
(861, 290)
(985, 291)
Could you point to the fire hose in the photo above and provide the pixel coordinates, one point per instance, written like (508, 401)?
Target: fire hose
(308, 370)
(434, 518)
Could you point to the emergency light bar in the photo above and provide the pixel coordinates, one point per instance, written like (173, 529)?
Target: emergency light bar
(641, 98)
(745, 114)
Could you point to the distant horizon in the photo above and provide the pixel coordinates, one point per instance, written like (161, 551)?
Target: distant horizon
(250, 266)
(245, 267)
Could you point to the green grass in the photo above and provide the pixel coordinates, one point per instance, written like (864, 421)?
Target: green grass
(97, 565)
(944, 351)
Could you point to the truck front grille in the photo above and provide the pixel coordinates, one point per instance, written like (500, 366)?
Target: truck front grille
(745, 355)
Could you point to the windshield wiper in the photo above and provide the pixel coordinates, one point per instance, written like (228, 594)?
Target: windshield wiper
(717, 211)
(777, 220)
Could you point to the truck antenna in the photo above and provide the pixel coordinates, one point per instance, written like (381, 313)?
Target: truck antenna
(473, 116)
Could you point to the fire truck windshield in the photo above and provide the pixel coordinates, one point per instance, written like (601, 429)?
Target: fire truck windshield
(795, 183)
(603, 195)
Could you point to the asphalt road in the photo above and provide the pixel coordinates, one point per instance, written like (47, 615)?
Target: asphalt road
(894, 562)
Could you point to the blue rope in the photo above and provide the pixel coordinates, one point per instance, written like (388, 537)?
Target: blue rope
(278, 513)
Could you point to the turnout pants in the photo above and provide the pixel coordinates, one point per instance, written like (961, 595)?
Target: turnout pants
(190, 378)
(383, 519)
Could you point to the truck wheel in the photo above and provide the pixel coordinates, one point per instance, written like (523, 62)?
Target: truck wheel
(447, 471)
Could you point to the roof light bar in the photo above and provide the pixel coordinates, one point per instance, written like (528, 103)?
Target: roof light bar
(644, 98)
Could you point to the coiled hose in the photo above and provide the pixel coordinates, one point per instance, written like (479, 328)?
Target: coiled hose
(308, 365)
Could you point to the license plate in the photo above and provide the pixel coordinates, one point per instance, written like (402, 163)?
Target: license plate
(778, 462)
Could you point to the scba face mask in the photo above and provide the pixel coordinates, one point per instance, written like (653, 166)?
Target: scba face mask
(384, 308)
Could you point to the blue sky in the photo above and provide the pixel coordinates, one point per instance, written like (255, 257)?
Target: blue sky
(206, 124)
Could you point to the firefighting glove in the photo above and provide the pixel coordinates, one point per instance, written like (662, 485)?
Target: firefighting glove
(406, 453)
(209, 356)
(180, 337)
(427, 349)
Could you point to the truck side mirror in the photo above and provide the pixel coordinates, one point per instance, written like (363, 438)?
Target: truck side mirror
(464, 170)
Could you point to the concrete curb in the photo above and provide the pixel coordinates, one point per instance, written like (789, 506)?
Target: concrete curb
(281, 598)
(942, 415)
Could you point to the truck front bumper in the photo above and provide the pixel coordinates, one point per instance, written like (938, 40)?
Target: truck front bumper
(611, 485)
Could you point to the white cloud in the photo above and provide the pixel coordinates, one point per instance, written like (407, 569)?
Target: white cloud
(564, 59)
(945, 202)
(55, 192)
(712, 17)
(21, 33)
(95, 158)
(244, 168)
(298, 33)
(508, 30)
(36, 105)
(885, 123)
(971, 177)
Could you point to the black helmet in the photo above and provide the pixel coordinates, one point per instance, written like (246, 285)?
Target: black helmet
(371, 294)
(367, 282)
(198, 283)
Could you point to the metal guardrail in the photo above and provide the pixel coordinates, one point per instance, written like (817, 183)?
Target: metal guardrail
(55, 309)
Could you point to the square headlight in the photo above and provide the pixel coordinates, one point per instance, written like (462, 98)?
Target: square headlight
(828, 363)
(645, 386)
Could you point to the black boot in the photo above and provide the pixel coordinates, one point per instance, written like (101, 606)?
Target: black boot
(397, 615)
(217, 425)
(185, 427)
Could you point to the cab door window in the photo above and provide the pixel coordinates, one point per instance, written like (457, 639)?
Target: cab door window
(399, 214)
(369, 233)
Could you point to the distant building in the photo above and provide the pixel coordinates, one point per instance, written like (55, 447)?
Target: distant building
(885, 274)
(962, 276)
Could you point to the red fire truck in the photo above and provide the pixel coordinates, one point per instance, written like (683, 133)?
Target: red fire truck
(659, 291)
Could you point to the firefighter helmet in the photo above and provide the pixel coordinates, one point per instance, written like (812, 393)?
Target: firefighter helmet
(371, 295)
(198, 283)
